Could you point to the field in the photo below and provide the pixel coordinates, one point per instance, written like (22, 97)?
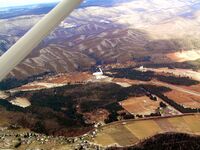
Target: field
(3, 95)
(70, 78)
(185, 99)
(193, 87)
(96, 116)
(140, 105)
(56, 81)
(30, 87)
(124, 82)
(178, 72)
(21, 102)
(184, 55)
(132, 132)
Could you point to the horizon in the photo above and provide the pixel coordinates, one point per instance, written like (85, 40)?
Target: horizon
(16, 3)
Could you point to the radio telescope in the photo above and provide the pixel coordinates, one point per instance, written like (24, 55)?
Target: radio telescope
(99, 74)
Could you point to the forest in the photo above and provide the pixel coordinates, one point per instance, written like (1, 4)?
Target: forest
(132, 74)
(62, 111)
(13, 82)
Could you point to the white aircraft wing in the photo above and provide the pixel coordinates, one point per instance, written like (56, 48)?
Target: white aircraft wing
(19, 51)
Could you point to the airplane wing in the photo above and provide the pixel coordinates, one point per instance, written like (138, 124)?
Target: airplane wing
(19, 51)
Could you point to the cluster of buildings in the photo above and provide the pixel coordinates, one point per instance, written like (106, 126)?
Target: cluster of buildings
(11, 139)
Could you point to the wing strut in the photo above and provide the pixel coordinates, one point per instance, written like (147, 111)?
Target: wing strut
(19, 51)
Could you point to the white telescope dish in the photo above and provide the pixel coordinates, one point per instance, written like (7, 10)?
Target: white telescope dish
(19, 51)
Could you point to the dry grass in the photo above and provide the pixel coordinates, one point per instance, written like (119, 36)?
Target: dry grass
(125, 138)
(106, 140)
(140, 105)
(96, 116)
(21, 102)
(185, 55)
(57, 81)
(70, 78)
(193, 87)
(179, 124)
(3, 95)
(185, 99)
(149, 128)
(193, 122)
(27, 87)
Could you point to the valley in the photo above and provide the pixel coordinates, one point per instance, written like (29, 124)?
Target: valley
(123, 96)
(147, 94)
(97, 35)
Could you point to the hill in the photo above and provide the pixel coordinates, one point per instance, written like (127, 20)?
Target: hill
(147, 32)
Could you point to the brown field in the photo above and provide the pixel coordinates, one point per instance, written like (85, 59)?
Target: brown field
(133, 131)
(59, 80)
(27, 87)
(70, 78)
(21, 102)
(124, 80)
(140, 105)
(182, 56)
(193, 87)
(96, 116)
(31, 87)
(185, 99)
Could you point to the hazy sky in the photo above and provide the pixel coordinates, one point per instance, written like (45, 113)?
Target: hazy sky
(7, 3)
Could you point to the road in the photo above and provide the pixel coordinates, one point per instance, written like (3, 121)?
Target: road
(175, 88)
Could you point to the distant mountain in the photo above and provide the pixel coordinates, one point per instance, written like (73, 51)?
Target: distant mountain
(12, 12)
(102, 32)
(38, 9)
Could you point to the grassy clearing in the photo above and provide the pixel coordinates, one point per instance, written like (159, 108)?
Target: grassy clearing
(143, 129)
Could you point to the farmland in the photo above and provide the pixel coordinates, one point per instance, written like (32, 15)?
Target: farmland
(134, 131)
(185, 99)
(140, 105)
(194, 87)
(73, 77)
(56, 81)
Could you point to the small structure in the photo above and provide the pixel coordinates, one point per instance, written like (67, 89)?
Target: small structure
(99, 74)
(142, 69)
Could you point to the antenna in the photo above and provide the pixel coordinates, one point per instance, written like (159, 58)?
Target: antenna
(19, 51)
